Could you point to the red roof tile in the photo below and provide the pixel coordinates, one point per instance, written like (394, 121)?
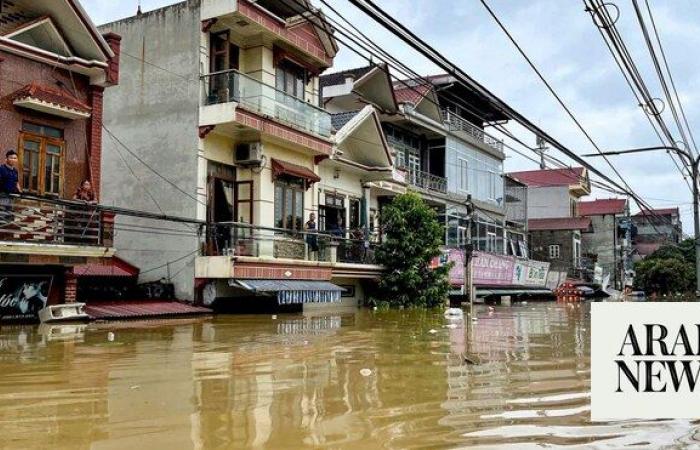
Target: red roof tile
(562, 223)
(113, 267)
(50, 94)
(602, 206)
(141, 309)
(550, 177)
(412, 94)
(659, 212)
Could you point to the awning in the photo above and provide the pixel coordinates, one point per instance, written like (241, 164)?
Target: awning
(293, 291)
(51, 100)
(293, 170)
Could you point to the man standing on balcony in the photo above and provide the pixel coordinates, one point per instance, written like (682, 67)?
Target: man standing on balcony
(9, 183)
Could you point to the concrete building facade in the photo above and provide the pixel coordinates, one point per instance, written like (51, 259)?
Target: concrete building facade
(55, 66)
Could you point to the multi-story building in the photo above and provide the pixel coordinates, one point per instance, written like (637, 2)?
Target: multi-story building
(55, 66)
(444, 154)
(222, 99)
(606, 246)
(655, 228)
(555, 227)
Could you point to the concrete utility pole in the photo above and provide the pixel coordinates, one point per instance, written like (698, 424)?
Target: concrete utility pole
(468, 248)
(693, 163)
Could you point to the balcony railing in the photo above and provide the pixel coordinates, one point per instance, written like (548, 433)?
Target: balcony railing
(232, 86)
(425, 180)
(45, 222)
(239, 239)
(457, 123)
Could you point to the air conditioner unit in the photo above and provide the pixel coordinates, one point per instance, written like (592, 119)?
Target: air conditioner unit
(249, 154)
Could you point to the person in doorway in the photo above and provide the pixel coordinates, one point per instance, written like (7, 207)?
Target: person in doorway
(84, 193)
(9, 184)
(312, 238)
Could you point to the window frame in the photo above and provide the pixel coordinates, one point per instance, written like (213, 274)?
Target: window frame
(555, 254)
(43, 141)
(289, 187)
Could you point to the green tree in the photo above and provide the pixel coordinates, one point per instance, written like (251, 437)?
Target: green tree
(664, 275)
(412, 239)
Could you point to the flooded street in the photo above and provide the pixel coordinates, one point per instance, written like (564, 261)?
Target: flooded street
(517, 379)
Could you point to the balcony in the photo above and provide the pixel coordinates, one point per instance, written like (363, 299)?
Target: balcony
(457, 123)
(248, 93)
(228, 248)
(425, 180)
(34, 225)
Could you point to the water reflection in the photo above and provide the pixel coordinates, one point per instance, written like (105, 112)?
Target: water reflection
(518, 378)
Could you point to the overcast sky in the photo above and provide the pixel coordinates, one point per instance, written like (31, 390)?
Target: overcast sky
(563, 42)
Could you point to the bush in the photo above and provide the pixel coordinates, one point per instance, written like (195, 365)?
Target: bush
(412, 239)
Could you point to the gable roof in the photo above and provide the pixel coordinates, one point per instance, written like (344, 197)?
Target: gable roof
(601, 207)
(557, 224)
(551, 177)
(361, 139)
(41, 33)
(335, 78)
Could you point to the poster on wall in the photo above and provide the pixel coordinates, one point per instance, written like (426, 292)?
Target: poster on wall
(530, 273)
(23, 296)
(492, 270)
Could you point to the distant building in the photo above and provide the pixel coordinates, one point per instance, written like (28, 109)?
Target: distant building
(554, 226)
(604, 246)
(516, 217)
(656, 228)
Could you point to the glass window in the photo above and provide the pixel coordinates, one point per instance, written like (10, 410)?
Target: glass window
(289, 204)
(41, 156)
(554, 251)
(291, 79)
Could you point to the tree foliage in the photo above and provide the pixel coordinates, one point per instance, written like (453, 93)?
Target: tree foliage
(669, 270)
(412, 239)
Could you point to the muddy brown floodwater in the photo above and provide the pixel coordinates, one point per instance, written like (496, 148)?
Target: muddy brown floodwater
(517, 379)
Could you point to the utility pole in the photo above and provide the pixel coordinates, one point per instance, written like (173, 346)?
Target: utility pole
(468, 248)
(693, 163)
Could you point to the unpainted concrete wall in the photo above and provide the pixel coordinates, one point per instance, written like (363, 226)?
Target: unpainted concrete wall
(154, 112)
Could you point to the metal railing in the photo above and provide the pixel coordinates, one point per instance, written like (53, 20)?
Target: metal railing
(425, 180)
(46, 222)
(455, 122)
(232, 86)
(240, 239)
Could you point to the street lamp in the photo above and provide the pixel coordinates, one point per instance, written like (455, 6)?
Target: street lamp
(693, 163)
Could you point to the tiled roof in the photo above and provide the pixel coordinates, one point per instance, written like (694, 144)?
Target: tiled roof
(550, 177)
(412, 94)
(341, 119)
(50, 94)
(602, 206)
(563, 223)
(336, 78)
(659, 212)
(141, 309)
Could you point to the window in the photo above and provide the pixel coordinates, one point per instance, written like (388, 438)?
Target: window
(289, 203)
(41, 159)
(291, 79)
(554, 251)
(463, 175)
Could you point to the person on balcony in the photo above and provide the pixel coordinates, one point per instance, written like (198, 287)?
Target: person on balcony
(311, 239)
(84, 193)
(9, 184)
